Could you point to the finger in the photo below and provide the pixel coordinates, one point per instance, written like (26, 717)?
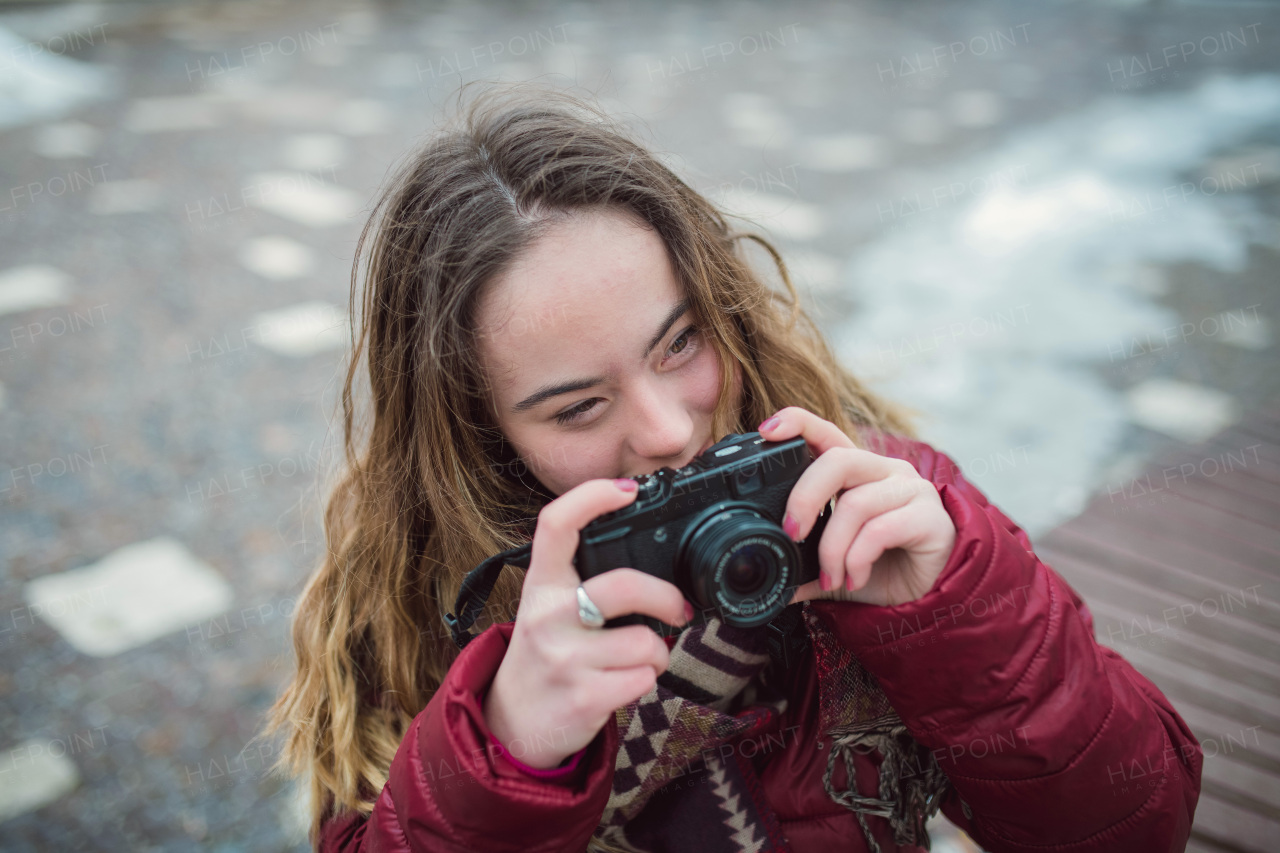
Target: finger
(611, 689)
(821, 435)
(894, 529)
(619, 592)
(805, 592)
(625, 648)
(854, 509)
(812, 591)
(839, 468)
(555, 538)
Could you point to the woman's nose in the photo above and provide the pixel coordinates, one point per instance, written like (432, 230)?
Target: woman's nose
(659, 427)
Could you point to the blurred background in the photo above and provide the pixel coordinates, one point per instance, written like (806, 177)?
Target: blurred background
(1051, 228)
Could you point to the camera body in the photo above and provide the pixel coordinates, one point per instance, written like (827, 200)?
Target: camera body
(714, 529)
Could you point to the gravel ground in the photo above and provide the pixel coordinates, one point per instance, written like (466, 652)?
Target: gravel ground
(176, 176)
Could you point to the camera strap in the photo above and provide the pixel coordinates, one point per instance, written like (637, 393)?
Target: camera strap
(476, 588)
(787, 637)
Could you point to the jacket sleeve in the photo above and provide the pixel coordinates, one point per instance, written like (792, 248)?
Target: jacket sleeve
(1048, 739)
(451, 789)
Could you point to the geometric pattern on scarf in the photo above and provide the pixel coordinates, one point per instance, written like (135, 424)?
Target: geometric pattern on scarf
(665, 732)
(675, 789)
(847, 693)
(709, 695)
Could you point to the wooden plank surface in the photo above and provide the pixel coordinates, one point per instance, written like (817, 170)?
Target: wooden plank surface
(1180, 566)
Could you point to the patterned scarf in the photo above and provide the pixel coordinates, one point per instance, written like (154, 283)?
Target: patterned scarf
(680, 782)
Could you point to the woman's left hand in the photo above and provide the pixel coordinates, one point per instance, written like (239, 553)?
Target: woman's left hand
(889, 536)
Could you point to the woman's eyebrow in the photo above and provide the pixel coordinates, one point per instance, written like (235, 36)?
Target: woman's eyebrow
(677, 311)
(546, 392)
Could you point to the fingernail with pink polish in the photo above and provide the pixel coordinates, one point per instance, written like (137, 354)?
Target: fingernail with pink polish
(824, 580)
(769, 424)
(848, 583)
(626, 484)
(688, 611)
(790, 526)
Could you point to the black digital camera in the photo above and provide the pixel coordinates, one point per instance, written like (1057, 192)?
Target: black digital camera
(714, 529)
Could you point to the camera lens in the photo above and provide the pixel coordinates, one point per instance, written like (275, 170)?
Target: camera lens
(738, 562)
(746, 570)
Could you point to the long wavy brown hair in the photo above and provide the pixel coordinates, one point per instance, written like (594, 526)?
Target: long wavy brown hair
(429, 486)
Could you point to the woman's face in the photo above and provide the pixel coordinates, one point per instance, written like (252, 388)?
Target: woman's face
(598, 370)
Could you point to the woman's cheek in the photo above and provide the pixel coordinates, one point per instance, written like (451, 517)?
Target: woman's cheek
(569, 461)
(547, 460)
(704, 380)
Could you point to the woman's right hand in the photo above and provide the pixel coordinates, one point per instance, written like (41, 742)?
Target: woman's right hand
(560, 681)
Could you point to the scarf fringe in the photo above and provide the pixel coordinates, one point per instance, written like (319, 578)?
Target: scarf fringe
(600, 844)
(912, 783)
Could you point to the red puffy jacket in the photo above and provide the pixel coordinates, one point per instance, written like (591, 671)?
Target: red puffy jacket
(1049, 740)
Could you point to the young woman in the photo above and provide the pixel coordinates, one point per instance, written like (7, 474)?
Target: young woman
(546, 312)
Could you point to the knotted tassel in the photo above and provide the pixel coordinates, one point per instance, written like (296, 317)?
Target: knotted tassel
(911, 781)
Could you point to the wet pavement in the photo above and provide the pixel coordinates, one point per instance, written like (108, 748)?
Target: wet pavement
(1053, 230)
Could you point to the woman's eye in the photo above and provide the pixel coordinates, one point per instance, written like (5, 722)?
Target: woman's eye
(572, 414)
(575, 413)
(681, 343)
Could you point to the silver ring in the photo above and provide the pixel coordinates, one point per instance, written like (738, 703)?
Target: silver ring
(588, 613)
